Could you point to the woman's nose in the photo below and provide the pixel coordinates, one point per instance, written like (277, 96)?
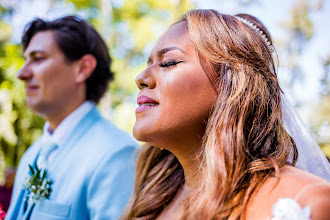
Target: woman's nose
(24, 73)
(145, 79)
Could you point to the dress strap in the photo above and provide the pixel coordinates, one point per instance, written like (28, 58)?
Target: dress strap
(306, 188)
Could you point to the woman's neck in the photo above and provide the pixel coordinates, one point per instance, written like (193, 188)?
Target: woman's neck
(190, 162)
(175, 208)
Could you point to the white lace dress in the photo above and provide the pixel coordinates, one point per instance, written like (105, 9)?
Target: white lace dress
(289, 209)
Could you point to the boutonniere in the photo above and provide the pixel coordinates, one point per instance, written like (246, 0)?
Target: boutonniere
(37, 184)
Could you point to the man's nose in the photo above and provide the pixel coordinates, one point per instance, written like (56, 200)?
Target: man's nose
(24, 73)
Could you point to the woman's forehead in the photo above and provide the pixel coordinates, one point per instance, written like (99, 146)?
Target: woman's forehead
(176, 36)
(176, 32)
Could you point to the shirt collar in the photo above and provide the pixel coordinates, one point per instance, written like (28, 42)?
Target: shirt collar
(67, 125)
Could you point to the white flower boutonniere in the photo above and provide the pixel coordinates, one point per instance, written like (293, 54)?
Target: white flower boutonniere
(37, 184)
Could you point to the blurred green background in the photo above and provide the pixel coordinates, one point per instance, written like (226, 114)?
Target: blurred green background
(300, 31)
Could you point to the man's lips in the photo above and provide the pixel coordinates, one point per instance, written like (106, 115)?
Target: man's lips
(30, 88)
(145, 103)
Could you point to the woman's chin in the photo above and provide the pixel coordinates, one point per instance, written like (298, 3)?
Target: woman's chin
(140, 134)
(144, 136)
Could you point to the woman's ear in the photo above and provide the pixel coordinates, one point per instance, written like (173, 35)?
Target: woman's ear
(86, 66)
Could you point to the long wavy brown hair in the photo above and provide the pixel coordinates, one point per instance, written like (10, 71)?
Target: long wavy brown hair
(244, 142)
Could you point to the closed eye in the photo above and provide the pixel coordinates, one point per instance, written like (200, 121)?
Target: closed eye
(170, 63)
(38, 58)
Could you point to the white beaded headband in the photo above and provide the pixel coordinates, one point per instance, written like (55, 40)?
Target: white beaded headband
(254, 27)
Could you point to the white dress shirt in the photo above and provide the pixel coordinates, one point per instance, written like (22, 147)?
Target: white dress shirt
(60, 134)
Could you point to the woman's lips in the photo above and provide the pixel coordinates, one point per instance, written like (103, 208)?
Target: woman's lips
(145, 103)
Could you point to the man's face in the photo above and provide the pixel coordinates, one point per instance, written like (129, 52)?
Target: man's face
(49, 78)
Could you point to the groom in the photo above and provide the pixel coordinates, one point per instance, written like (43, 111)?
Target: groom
(89, 161)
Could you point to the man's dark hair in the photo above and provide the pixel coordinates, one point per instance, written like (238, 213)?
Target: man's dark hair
(75, 38)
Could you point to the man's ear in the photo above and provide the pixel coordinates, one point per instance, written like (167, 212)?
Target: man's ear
(86, 65)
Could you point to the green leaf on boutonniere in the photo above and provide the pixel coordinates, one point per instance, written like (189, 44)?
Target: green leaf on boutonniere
(31, 169)
(37, 184)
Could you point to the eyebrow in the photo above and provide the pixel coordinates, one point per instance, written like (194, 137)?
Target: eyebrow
(165, 50)
(32, 53)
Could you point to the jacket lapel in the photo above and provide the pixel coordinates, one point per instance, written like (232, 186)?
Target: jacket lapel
(87, 121)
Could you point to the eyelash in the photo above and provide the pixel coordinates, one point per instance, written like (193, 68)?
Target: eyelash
(38, 58)
(169, 64)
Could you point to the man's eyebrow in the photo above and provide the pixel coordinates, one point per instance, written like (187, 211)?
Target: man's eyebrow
(165, 50)
(32, 53)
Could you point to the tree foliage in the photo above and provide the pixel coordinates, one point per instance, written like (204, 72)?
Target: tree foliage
(130, 28)
(127, 27)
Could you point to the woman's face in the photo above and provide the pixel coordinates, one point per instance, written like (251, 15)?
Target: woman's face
(176, 96)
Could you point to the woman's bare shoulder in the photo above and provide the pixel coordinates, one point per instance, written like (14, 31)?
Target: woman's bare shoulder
(291, 183)
(317, 197)
(293, 172)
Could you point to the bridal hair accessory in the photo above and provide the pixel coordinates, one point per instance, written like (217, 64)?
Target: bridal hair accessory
(254, 27)
(310, 156)
(37, 184)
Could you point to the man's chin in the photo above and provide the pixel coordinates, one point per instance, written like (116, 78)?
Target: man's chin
(35, 107)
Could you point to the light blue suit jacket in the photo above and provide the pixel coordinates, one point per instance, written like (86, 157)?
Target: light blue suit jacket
(92, 174)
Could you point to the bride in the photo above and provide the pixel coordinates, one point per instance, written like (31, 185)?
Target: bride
(211, 112)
